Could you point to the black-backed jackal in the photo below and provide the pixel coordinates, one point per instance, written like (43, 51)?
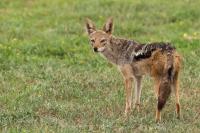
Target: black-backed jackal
(159, 60)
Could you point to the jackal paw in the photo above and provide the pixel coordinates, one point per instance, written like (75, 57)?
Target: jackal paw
(127, 112)
(137, 107)
(158, 119)
(178, 116)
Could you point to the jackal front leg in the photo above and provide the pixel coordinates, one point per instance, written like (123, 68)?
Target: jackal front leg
(138, 89)
(128, 86)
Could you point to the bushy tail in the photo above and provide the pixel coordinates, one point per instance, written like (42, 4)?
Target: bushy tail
(166, 81)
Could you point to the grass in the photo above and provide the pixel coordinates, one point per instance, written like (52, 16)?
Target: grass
(51, 81)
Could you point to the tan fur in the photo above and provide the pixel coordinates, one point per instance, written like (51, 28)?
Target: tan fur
(119, 52)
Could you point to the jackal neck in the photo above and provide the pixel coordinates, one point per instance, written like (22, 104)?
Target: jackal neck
(120, 51)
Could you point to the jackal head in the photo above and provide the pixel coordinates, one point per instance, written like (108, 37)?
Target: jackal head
(99, 39)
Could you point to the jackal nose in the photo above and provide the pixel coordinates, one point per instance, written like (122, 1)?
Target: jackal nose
(95, 49)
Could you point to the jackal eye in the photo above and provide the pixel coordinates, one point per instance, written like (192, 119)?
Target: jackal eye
(92, 41)
(103, 41)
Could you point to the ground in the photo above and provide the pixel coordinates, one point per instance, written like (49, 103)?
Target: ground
(51, 81)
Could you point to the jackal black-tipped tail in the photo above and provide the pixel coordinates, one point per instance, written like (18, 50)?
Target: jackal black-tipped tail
(166, 82)
(164, 93)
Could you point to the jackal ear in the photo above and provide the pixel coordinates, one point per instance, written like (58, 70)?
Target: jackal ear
(90, 27)
(108, 27)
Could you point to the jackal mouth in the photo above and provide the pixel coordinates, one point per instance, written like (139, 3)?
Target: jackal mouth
(99, 49)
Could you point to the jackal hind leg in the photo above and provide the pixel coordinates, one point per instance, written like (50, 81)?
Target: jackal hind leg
(138, 88)
(176, 90)
(156, 86)
(156, 89)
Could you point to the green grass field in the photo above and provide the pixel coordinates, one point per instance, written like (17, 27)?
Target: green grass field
(51, 81)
